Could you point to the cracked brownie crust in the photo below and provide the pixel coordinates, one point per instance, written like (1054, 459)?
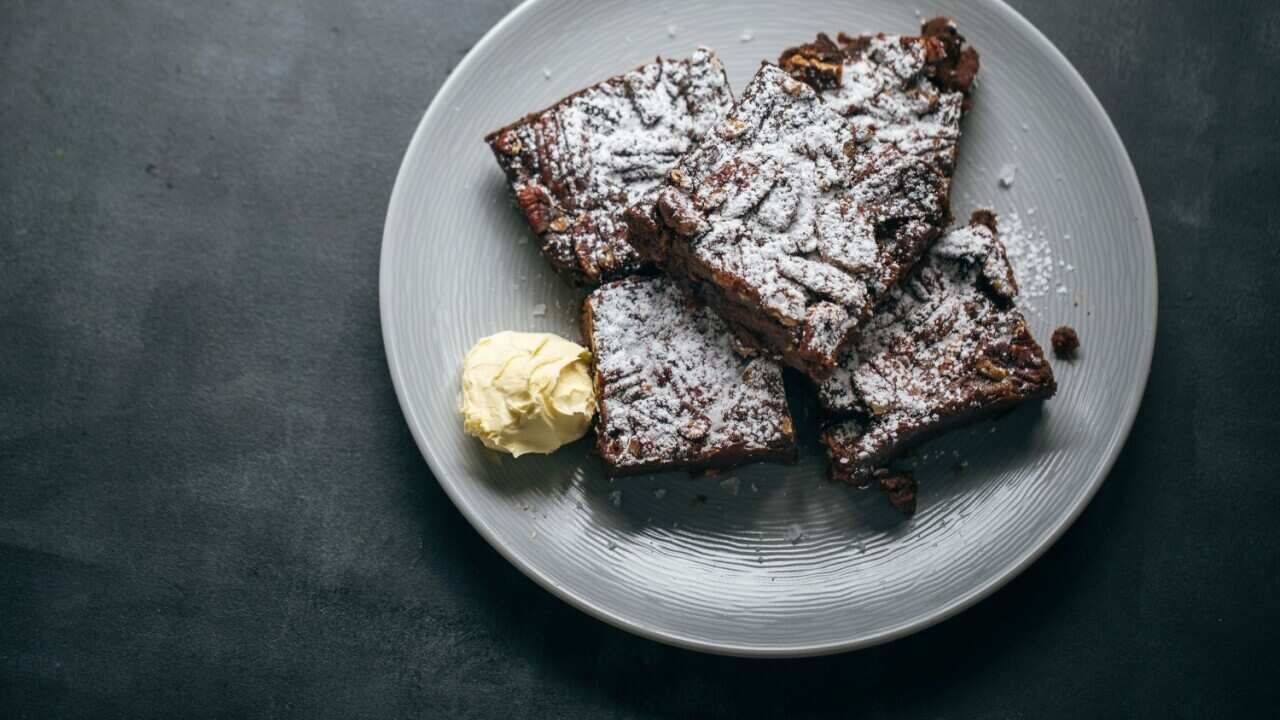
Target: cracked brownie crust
(576, 166)
(908, 92)
(672, 392)
(790, 222)
(946, 348)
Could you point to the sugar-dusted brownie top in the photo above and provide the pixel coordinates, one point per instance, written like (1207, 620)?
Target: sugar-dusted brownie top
(946, 347)
(576, 166)
(672, 392)
(906, 91)
(790, 222)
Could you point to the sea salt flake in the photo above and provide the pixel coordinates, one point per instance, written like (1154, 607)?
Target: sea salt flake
(794, 534)
(730, 485)
(747, 36)
(671, 31)
(1008, 171)
(539, 310)
(615, 497)
(660, 493)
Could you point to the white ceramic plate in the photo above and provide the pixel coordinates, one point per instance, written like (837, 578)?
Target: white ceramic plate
(771, 560)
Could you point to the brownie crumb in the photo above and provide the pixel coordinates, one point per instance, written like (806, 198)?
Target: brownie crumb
(901, 491)
(1065, 342)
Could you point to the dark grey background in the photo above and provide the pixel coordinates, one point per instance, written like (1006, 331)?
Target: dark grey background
(210, 505)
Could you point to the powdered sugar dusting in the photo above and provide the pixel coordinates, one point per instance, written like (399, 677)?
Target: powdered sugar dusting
(1031, 254)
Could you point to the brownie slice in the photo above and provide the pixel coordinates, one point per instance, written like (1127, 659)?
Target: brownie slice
(576, 166)
(791, 223)
(672, 393)
(904, 91)
(946, 347)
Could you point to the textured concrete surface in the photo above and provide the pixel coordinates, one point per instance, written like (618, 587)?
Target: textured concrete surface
(210, 505)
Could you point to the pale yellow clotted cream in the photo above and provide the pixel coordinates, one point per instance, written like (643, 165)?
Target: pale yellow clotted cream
(527, 392)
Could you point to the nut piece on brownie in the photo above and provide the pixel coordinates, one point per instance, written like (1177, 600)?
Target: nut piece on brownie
(791, 223)
(906, 91)
(946, 347)
(576, 166)
(672, 393)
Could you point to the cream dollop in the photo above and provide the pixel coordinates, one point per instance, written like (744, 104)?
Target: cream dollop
(527, 392)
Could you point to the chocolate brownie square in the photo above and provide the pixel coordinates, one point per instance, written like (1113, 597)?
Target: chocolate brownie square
(947, 347)
(576, 166)
(671, 391)
(791, 223)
